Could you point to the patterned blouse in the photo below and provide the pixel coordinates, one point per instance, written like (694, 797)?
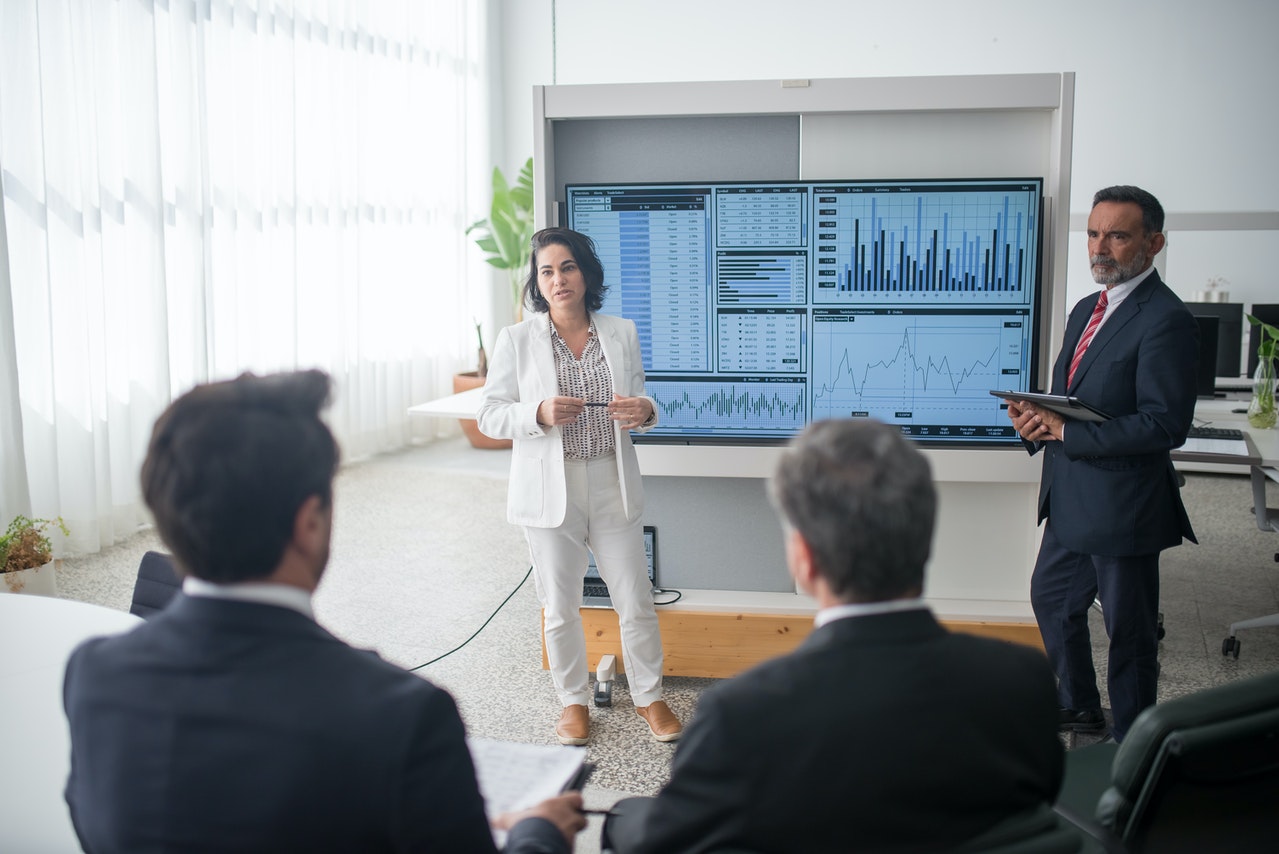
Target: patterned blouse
(589, 378)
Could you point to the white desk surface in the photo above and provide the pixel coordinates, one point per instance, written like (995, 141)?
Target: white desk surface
(37, 634)
(1220, 412)
(464, 404)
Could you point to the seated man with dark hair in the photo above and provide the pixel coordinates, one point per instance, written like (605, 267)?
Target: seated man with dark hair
(883, 731)
(231, 721)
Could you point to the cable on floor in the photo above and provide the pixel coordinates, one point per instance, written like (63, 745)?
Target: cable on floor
(481, 628)
(658, 590)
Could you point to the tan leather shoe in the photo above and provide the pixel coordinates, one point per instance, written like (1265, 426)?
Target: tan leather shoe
(661, 721)
(574, 726)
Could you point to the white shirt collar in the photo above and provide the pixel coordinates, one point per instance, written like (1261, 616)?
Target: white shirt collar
(280, 595)
(865, 609)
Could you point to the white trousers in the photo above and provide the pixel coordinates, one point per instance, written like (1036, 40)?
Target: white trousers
(595, 518)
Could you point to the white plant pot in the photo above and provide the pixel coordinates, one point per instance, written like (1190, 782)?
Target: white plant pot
(40, 581)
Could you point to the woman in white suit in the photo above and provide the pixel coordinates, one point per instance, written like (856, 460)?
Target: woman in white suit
(567, 385)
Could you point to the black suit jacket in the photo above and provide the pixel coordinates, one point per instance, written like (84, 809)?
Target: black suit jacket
(880, 733)
(1110, 487)
(233, 726)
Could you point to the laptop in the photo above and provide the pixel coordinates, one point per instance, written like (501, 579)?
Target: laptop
(595, 591)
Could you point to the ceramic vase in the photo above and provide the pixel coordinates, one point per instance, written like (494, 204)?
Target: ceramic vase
(40, 581)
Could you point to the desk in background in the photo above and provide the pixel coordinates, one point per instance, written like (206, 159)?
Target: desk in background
(1221, 412)
(37, 634)
(462, 405)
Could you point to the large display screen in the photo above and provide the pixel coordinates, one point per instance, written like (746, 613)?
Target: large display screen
(763, 306)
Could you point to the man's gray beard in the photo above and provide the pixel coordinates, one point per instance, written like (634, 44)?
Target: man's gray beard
(1118, 273)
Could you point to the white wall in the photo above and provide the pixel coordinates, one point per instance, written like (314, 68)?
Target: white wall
(1176, 96)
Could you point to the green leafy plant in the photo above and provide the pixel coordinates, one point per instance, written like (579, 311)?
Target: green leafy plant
(1261, 411)
(25, 545)
(505, 233)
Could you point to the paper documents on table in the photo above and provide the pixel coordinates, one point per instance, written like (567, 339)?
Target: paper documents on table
(1224, 447)
(514, 776)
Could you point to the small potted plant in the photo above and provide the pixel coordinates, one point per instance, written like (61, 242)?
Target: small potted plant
(1261, 410)
(26, 556)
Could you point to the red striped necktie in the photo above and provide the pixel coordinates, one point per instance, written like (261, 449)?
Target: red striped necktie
(1084, 340)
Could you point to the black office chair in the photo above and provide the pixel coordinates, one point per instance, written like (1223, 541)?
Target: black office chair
(157, 583)
(1040, 831)
(1268, 521)
(1198, 773)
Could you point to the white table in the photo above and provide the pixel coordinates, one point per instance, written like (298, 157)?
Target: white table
(1230, 412)
(37, 634)
(464, 404)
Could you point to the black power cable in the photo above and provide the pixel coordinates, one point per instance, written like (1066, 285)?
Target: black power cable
(678, 595)
(481, 628)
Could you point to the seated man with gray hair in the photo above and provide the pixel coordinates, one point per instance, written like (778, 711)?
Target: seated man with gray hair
(883, 731)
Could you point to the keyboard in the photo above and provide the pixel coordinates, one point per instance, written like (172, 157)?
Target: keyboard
(1225, 433)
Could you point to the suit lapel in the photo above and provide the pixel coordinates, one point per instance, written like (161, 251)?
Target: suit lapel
(543, 355)
(1125, 313)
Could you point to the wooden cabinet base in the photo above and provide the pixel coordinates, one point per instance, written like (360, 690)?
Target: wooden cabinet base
(720, 644)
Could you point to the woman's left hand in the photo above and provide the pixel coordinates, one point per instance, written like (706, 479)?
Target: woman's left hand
(630, 412)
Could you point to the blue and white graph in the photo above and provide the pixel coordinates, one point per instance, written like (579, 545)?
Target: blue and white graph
(744, 408)
(924, 244)
(917, 368)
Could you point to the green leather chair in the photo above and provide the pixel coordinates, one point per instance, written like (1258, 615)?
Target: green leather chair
(1198, 773)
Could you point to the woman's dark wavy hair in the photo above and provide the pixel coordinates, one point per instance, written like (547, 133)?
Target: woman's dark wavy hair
(228, 467)
(582, 248)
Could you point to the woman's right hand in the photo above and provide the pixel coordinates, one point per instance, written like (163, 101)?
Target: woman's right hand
(559, 410)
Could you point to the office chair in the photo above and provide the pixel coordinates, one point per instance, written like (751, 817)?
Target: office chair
(1268, 521)
(1198, 773)
(157, 583)
(1040, 831)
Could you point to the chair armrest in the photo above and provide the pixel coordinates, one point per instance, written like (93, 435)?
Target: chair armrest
(1104, 837)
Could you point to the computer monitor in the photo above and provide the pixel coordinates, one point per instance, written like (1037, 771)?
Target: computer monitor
(1206, 375)
(1266, 313)
(1230, 325)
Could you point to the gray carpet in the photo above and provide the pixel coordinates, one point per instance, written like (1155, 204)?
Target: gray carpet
(423, 555)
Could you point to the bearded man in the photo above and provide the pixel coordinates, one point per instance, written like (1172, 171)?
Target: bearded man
(1108, 491)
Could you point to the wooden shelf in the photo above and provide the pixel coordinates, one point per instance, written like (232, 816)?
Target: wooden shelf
(719, 634)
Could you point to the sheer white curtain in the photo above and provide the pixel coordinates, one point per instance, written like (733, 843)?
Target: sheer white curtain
(195, 189)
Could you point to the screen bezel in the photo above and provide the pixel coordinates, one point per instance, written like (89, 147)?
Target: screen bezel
(1033, 306)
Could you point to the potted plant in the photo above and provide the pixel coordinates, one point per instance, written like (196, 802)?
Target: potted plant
(26, 556)
(504, 236)
(505, 233)
(1261, 410)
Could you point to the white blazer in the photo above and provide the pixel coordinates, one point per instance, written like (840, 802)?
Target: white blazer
(521, 376)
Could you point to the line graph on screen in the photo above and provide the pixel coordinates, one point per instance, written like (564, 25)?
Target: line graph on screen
(912, 368)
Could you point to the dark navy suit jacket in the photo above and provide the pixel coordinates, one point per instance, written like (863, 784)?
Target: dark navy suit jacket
(879, 733)
(235, 726)
(1110, 487)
